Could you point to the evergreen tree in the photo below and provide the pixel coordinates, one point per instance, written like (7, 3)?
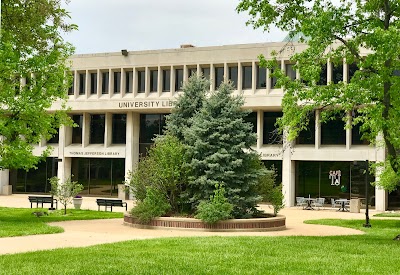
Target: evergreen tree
(187, 105)
(219, 147)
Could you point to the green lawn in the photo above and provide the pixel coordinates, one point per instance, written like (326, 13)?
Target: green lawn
(390, 215)
(21, 221)
(372, 253)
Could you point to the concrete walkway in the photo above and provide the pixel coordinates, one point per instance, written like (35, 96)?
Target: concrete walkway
(87, 233)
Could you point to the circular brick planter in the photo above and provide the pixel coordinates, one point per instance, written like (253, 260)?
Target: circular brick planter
(255, 224)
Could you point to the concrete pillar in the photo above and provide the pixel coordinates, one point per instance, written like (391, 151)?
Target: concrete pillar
(253, 77)
(288, 178)
(317, 130)
(86, 130)
(108, 130)
(348, 131)
(132, 143)
(5, 188)
(381, 196)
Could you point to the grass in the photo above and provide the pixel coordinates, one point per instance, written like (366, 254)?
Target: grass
(390, 215)
(372, 253)
(21, 221)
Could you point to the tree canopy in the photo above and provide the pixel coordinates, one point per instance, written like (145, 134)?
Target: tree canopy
(363, 34)
(33, 75)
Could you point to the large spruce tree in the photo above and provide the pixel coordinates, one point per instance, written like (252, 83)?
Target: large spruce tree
(219, 147)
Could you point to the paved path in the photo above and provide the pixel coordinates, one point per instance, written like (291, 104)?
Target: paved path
(87, 233)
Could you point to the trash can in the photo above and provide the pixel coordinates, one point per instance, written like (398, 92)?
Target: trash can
(355, 205)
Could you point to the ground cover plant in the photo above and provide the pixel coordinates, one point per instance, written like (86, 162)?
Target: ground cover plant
(391, 215)
(369, 253)
(21, 221)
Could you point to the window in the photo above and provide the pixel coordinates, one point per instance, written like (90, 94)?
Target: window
(270, 132)
(252, 118)
(218, 76)
(233, 75)
(261, 77)
(323, 76)
(178, 79)
(71, 88)
(333, 131)
(290, 71)
(117, 82)
(128, 82)
(97, 129)
(273, 80)
(77, 131)
(337, 73)
(206, 72)
(246, 77)
(54, 139)
(352, 70)
(307, 136)
(82, 83)
(150, 126)
(192, 71)
(356, 134)
(166, 80)
(104, 83)
(119, 128)
(141, 81)
(153, 80)
(93, 83)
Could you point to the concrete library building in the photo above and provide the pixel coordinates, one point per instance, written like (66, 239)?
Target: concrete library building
(119, 101)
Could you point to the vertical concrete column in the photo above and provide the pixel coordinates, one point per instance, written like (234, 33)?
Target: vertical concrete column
(98, 92)
(110, 83)
(159, 81)
(317, 130)
(5, 188)
(329, 67)
(147, 81)
(253, 77)
(87, 84)
(260, 128)
(173, 79)
(108, 130)
(381, 196)
(288, 174)
(134, 82)
(226, 72)
(132, 143)
(86, 130)
(64, 169)
(76, 92)
(185, 73)
(212, 76)
(122, 83)
(198, 69)
(61, 146)
(239, 78)
(345, 71)
(268, 80)
(348, 131)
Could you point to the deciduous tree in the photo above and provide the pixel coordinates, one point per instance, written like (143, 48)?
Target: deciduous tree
(364, 34)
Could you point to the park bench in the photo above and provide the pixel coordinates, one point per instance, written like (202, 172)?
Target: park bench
(110, 203)
(42, 200)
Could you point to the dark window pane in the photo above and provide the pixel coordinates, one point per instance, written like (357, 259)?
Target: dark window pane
(252, 118)
(93, 83)
(307, 136)
(261, 77)
(97, 128)
(273, 80)
(277, 165)
(150, 126)
(246, 78)
(323, 76)
(206, 72)
(54, 139)
(166, 80)
(337, 73)
(290, 72)
(352, 70)
(192, 71)
(333, 131)
(128, 82)
(71, 88)
(153, 80)
(219, 76)
(117, 82)
(178, 79)
(270, 133)
(82, 83)
(141, 81)
(104, 82)
(356, 134)
(119, 128)
(77, 131)
(233, 75)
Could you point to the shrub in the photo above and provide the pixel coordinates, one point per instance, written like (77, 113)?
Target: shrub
(269, 192)
(154, 205)
(66, 191)
(216, 209)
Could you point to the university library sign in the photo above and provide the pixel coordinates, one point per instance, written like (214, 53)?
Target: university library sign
(146, 104)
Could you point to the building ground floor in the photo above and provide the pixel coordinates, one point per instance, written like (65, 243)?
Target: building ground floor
(104, 148)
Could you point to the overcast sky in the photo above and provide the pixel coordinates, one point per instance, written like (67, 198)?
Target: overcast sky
(112, 25)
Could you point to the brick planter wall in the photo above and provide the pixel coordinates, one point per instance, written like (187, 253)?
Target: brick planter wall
(256, 224)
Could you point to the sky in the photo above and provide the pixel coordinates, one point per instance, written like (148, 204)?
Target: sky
(113, 25)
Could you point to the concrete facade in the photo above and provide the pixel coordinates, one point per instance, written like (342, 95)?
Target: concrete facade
(89, 98)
